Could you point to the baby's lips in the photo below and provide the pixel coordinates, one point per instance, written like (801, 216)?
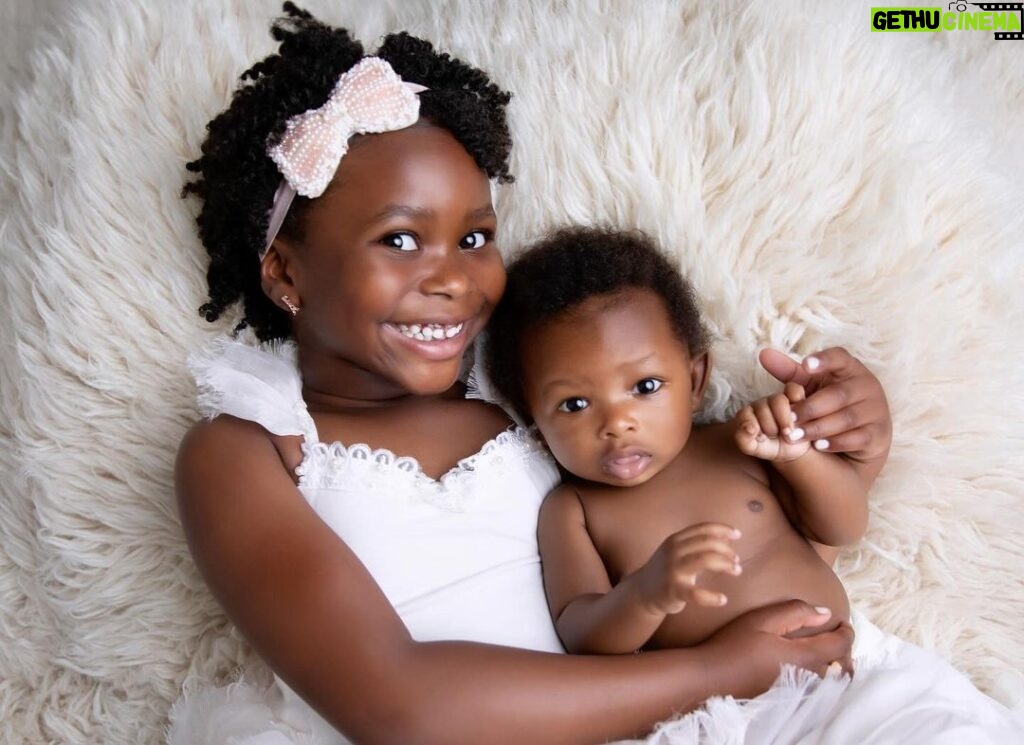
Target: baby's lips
(626, 464)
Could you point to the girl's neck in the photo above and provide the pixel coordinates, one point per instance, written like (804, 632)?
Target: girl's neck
(332, 384)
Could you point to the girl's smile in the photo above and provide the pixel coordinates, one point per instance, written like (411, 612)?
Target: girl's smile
(435, 341)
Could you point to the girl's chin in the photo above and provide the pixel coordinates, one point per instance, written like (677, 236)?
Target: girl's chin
(433, 381)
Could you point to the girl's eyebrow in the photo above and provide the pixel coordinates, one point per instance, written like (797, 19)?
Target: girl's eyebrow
(423, 213)
(486, 211)
(402, 210)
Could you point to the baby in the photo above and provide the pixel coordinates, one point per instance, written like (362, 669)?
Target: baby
(662, 531)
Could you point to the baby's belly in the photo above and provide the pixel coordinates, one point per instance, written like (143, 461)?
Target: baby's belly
(787, 569)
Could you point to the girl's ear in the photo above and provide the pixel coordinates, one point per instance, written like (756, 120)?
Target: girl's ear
(700, 373)
(277, 275)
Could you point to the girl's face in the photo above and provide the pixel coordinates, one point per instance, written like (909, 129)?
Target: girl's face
(611, 388)
(397, 270)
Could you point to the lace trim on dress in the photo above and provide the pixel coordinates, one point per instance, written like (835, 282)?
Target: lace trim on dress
(328, 465)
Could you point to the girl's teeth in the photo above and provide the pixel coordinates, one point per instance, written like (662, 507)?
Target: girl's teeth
(430, 331)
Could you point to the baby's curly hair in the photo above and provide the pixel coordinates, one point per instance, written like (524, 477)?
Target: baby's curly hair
(237, 179)
(567, 267)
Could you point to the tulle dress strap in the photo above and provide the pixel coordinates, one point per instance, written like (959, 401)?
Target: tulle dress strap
(479, 385)
(258, 383)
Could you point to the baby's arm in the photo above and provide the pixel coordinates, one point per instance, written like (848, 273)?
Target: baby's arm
(827, 494)
(591, 616)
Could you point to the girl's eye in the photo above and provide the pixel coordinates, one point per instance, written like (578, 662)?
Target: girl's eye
(400, 241)
(647, 386)
(572, 405)
(475, 240)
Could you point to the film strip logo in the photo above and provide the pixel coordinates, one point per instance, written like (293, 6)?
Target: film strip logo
(1002, 7)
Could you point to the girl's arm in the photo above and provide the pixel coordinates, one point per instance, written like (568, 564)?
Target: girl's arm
(312, 611)
(591, 616)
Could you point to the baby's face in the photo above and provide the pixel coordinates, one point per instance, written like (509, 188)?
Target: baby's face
(611, 388)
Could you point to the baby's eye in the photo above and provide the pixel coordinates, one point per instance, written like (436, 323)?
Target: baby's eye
(572, 405)
(647, 386)
(400, 241)
(475, 240)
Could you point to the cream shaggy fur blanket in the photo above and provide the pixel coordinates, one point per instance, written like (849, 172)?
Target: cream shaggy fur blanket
(820, 184)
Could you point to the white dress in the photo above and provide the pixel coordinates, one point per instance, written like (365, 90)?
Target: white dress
(457, 557)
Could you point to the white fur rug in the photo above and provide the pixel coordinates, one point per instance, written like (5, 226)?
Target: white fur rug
(821, 185)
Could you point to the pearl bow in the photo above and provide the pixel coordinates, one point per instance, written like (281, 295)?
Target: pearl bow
(368, 98)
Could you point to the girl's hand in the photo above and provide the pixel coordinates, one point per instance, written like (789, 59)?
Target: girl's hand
(765, 638)
(765, 429)
(668, 581)
(845, 410)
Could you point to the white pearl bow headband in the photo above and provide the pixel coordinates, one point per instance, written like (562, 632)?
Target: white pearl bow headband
(367, 99)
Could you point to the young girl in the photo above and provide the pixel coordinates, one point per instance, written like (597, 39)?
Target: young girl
(393, 581)
(663, 531)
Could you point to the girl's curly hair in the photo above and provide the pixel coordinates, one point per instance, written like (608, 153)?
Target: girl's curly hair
(237, 179)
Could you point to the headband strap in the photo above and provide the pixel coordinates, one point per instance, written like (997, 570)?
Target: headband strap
(369, 98)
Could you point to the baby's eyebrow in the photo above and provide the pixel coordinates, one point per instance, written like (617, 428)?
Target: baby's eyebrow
(559, 383)
(637, 361)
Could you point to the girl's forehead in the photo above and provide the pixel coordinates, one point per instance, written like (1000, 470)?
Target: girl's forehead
(377, 155)
(420, 165)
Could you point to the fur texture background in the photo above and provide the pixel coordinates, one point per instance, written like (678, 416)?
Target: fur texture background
(819, 183)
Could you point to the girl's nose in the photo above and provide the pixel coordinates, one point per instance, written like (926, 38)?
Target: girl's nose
(445, 275)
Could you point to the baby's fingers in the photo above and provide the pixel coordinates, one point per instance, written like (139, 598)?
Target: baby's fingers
(748, 432)
(714, 560)
(781, 413)
(772, 414)
(708, 598)
(704, 531)
(795, 392)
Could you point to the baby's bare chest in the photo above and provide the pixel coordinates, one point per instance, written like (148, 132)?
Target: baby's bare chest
(628, 525)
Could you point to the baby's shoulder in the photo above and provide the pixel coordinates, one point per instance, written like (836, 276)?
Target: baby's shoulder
(563, 504)
(714, 445)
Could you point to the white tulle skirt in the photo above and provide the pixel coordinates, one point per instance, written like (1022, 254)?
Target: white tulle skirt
(900, 694)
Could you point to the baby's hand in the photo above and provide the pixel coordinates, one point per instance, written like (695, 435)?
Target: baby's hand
(765, 429)
(668, 581)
